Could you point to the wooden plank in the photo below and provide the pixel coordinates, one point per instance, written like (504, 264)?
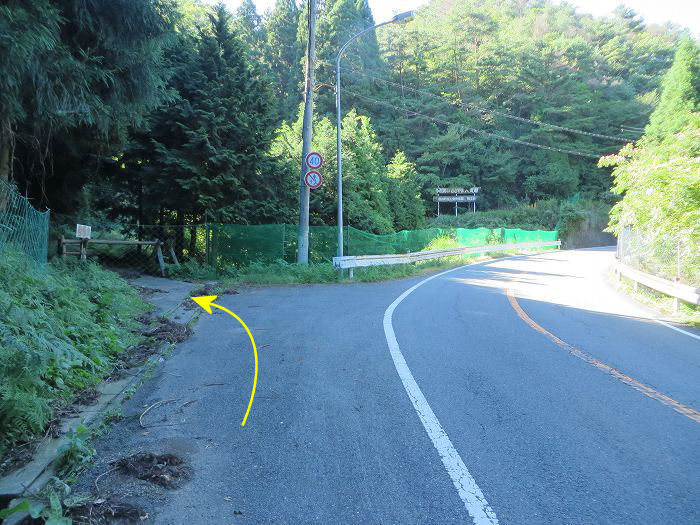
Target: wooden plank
(161, 262)
(113, 241)
(174, 257)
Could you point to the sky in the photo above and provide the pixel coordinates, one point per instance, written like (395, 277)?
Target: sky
(682, 12)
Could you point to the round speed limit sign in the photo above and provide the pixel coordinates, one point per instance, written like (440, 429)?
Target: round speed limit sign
(314, 160)
(313, 179)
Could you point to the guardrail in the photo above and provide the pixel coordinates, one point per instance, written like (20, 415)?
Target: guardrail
(356, 261)
(679, 292)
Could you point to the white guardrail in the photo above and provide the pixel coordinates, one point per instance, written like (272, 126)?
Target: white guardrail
(357, 261)
(676, 290)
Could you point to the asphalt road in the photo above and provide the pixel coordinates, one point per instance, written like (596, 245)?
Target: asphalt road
(474, 415)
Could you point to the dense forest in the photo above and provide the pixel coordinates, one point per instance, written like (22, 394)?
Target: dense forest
(163, 110)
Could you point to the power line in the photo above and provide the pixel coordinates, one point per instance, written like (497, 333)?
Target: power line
(474, 130)
(489, 110)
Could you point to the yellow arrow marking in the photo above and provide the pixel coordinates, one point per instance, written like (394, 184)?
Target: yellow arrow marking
(206, 302)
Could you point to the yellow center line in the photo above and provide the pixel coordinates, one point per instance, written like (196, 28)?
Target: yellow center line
(255, 353)
(687, 411)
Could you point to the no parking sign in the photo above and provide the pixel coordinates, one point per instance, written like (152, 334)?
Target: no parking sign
(313, 179)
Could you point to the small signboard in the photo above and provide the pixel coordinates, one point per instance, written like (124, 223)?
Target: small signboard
(474, 189)
(314, 160)
(455, 198)
(82, 231)
(313, 179)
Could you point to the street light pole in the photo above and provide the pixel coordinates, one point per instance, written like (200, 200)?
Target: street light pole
(339, 158)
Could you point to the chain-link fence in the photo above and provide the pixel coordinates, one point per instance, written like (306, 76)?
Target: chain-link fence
(224, 246)
(672, 257)
(22, 228)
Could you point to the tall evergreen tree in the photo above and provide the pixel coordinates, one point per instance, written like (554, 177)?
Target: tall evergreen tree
(74, 76)
(680, 95)
(339, 20)
(283, 53)
(403, 194)
(207, 150)
(249, 29)
(659, 176)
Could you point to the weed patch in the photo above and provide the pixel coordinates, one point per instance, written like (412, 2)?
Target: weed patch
(62, 327)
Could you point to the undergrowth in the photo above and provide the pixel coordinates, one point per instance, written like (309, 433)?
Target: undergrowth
(281, 272)
(60, 327)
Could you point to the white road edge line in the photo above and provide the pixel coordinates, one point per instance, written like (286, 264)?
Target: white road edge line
(667, 325)
(469, 492)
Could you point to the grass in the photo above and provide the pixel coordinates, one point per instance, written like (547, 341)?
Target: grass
(283, 273)
(60, 329)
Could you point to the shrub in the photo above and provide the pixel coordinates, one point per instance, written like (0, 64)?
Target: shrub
(59, 328)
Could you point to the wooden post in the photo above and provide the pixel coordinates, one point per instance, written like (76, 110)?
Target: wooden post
(62, 247)
(83, 249)
(174, 257)
(159, 254)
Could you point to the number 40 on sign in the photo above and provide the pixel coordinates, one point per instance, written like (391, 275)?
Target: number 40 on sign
(314, 160)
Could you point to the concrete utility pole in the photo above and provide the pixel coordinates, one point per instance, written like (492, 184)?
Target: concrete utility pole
(303, 236)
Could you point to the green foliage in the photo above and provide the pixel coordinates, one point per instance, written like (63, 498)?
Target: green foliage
(543, 215)
(59, 329)
(76, 453)
(536, 60)
(659, 176)
(24, 506)
(162, 110)
(206, 149)
(680, 94)
(365, 184)
(403, 194)
(75, 76)
(283, 54)
(338, 21)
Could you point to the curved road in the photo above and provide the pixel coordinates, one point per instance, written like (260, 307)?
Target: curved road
(517, 391)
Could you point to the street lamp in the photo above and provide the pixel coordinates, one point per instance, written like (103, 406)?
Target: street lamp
(397, 18)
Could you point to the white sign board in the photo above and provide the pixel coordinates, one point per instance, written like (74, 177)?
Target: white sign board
(455, 198)
(82, 231)
(474, 189)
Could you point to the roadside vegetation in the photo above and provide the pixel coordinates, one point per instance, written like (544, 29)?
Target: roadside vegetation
(687, 313)
(187, 112)
(61, 326)
(282, 272)
(658, 177)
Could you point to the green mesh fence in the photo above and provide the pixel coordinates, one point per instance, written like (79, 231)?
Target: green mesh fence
(240, 245)
(227, 245)
(22, 228)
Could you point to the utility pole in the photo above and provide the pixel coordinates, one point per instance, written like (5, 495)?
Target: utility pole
(303, 236)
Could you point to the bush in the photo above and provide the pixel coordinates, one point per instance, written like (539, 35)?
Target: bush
(579, 223)
(59, 328)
